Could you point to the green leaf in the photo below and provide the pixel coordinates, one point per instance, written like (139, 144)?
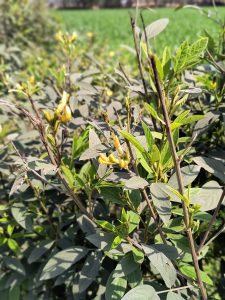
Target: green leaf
(136, 182)
(90, 270)
(170, 251)
(166, 155)
(15, 265)
(207, 196)
(155, 28)
(190, 272)
(159, 67)
(111, 194)
(4, 207)
(19, 212)
(116, 242)
(69, 175)
(174, 296)
(135, 278)
(138, 255)
(106, 225)
(188, 120)
(213, 166)
(14, 293)
(62, 261)
(133, 141)
(125, 266)
(162, 264)
(188, 56)
(141, 292)
(149, 137)
(161, 201)
(133, 220)
(39, 250)
(150, 109)
(102, 241)
(189, 174)
(115, 287)
(176, 193)
(12, 244)
(10, 229)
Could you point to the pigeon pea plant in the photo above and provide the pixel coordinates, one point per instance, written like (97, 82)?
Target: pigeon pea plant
(111, 201)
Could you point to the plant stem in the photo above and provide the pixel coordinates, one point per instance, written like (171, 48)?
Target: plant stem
(39, 125)
(175, 289)
(179, 175)
(206, 234)
(133, 24)
(215, 235)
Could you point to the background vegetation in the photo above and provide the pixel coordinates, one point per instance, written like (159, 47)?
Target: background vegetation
(112, 27)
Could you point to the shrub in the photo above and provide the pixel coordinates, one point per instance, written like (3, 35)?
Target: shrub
(107, 191)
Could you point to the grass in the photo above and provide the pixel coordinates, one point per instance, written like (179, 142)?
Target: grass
(112, 27)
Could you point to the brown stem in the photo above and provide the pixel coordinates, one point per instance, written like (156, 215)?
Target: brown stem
(215, 235)
(38, 123)
(176, 162)
(133, 24)
(211, 222)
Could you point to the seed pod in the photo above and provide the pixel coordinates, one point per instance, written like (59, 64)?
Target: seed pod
(66, 115)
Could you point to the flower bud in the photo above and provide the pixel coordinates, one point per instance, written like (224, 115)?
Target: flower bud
(66, 115)
(48, 116)
(62, 103)
(123, 164)
(113, 159)
(116, 141)
(103, 160)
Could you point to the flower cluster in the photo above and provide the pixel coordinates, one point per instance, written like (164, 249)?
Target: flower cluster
(66, 38)
(123, 156)
(61, 114)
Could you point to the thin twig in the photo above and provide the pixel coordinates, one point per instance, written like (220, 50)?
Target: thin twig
(175, 289)
(212, 221)
(133, 25)
(179, 175)
(216, 65)
(39, 125)
(34, 172)
(215, 235)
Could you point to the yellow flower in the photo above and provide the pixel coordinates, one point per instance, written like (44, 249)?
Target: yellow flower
(103, 159)
(19, 87)
(109, 93)
(62, 103)
(123, 164)
(59, 36)
(66, 115)
(90, 34)
(48, 116)
(31, 80)
(111, 54)
(113, 159)
(115, 141)
(73, 37)
(117, 145)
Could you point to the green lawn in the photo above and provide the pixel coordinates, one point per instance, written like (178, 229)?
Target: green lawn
(113, 26)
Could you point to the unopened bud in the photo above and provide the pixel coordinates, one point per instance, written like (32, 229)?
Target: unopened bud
(66, 115)
(113, 159)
